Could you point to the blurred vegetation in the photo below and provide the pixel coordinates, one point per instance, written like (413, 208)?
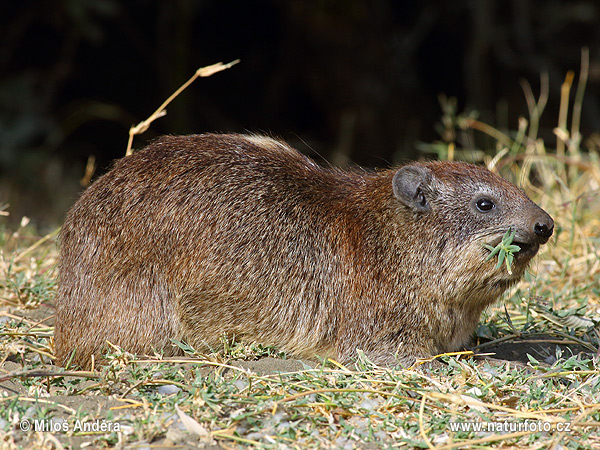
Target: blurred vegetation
(352, 81)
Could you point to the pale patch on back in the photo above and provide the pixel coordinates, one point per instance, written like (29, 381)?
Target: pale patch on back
(269, 143)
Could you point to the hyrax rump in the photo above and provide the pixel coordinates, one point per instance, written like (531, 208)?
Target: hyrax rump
(196, 237)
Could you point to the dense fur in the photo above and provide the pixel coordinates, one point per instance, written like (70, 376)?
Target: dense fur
(199, 236)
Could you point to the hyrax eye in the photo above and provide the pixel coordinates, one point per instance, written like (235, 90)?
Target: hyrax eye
(485, 205)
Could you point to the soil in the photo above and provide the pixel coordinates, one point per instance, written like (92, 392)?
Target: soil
(542, 348)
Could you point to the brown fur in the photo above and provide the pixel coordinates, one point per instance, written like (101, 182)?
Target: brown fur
(199, 236)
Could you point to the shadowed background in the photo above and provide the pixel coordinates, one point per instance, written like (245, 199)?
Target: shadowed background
(350, 81)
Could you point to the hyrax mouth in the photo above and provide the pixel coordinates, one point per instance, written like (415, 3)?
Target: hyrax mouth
(526, 250)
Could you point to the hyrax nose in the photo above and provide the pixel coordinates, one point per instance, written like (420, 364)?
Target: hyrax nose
(543, 227)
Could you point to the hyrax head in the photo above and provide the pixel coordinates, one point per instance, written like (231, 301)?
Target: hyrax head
(469, 206)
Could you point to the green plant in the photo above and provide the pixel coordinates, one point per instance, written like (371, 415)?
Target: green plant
(505, 250)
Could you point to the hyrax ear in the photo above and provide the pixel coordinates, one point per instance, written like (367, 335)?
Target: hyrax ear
(410, 183)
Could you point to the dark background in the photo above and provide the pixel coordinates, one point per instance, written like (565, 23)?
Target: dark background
(355, 82)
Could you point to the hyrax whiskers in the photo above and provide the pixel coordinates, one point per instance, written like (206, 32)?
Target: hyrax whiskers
(196, 237)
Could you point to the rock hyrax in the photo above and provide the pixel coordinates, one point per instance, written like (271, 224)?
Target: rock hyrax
(196, 237)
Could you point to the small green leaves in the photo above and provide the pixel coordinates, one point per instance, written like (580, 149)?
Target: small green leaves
(505, 250)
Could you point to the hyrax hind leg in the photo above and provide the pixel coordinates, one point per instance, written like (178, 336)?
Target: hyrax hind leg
(206, 314)
(139, 320)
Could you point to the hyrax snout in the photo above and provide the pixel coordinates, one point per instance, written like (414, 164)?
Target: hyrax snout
(196, 237)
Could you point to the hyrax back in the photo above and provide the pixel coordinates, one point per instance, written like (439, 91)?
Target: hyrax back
(199, 236)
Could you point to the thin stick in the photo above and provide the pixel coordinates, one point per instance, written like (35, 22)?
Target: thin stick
(36, 245)
(202, 72)
(421, 426)
(561, 130)
(35, 373)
